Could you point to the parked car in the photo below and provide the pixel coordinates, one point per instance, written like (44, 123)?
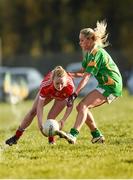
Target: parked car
(92, 83)
(3, 70)
(130, 83)
(18, 83)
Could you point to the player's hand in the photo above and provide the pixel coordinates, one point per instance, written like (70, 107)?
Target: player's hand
(71, 99)
(41, 129)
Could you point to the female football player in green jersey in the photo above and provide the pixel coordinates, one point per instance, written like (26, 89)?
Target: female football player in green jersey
(96, 62)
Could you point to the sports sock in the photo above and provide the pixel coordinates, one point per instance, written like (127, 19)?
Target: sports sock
(74, 132)
(19, 133)
(51, 139)
(96, 133)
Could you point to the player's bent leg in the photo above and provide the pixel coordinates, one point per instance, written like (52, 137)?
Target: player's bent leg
(94, 99)
(90, 122)
(97, 136)
(24, 124)
(30, 115)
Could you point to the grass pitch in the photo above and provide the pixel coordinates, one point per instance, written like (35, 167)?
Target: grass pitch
(33, 157)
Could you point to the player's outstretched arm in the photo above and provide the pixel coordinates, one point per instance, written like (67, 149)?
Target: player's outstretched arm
(40, 113)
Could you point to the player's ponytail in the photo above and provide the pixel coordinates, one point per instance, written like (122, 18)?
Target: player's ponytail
(98, 34)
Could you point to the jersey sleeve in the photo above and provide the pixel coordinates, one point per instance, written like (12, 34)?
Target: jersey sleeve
(43, 93)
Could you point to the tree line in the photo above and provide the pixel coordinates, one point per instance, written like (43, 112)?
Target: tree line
(36, 27)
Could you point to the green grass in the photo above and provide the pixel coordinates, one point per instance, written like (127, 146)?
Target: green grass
(33, 157)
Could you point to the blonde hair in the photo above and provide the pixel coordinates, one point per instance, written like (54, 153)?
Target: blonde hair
(98, 34)
(58, 72)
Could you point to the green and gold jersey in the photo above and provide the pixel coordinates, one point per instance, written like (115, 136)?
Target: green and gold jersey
(100, 64)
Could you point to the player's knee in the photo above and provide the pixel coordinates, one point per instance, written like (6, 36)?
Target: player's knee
(81, 107)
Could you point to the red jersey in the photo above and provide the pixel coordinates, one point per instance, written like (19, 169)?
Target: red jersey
(48, 90)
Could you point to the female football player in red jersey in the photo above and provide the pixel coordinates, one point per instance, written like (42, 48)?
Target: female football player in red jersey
(57, 85)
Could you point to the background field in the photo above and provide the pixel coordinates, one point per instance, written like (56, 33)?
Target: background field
(33, 157)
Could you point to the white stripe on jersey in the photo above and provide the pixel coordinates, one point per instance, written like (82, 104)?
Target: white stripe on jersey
(42, 98)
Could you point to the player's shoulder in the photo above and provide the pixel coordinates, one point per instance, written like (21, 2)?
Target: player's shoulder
(47, 81)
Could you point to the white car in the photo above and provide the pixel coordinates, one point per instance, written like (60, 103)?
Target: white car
(92, 83)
